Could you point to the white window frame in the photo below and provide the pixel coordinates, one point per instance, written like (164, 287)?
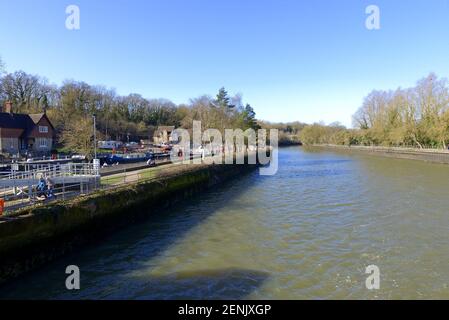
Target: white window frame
(43, 129)
(42, 142)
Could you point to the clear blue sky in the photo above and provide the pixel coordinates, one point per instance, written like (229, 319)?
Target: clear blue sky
(292, 60)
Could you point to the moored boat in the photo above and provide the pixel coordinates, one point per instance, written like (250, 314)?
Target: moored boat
(128, 158)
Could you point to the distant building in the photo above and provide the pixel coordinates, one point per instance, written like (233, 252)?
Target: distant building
(109, 145)
(145, 142)
(20, 133)
(165, 134)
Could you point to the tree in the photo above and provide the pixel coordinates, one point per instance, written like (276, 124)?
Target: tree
(432, 101)
(71, 106)
(78, 136)
(2, 66)
(222, 98)
(417, 116)
(27, 92)
(249, 118)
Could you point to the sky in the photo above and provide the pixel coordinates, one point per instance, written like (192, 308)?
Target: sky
(292, 60)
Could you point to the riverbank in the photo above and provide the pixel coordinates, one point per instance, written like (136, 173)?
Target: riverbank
(428, 155)
(252, 239)
(32, 237)
(289, 143)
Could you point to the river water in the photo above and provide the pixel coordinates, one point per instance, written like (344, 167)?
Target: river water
(308, 232)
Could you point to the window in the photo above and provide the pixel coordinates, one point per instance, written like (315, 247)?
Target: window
(11, 143)
(43, 129)
(42, 142)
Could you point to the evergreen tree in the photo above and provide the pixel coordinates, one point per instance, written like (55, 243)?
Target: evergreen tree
(222, 98)
(249, 117)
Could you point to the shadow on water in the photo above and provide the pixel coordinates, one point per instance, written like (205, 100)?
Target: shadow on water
(114, 268)
(232, 283)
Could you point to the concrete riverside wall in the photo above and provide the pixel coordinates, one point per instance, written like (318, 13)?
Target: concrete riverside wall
(34, 236)
(429, 155)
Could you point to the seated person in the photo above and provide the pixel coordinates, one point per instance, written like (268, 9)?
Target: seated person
(41, 187)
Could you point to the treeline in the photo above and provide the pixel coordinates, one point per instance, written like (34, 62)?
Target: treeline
(72, 105)
(412, 117)
(288, 133)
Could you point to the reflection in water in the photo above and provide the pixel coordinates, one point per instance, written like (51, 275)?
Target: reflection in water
(306, 233)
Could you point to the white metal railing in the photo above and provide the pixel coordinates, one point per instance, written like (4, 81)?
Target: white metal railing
(45, 158)
(26, 196)
(66, 185)
(53, 171)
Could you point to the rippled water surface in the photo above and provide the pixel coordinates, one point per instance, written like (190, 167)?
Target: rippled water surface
(306, 233)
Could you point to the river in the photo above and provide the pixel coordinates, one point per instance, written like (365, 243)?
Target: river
(308, 232)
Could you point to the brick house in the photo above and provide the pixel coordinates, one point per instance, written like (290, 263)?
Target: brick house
(20, 133)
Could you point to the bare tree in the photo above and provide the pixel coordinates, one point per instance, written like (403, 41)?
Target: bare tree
(27, 92)
(78, 136)
(2, 66)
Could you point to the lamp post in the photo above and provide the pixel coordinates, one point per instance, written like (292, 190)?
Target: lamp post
(95, 162)
(95, 137)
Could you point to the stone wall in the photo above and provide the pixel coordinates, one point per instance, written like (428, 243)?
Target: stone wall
(436, 156)
(35, 236)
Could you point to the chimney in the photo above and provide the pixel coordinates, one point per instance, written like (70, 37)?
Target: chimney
(8, 107)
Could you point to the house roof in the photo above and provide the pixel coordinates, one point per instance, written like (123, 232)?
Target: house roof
(20, 121)
(15, 120)
(36, 117)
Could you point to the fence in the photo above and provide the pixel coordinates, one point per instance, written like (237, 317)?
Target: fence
(70, 181)
(74, 179)
(19, 188)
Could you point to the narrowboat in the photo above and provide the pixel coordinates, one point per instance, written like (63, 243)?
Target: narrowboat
(128, 158)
